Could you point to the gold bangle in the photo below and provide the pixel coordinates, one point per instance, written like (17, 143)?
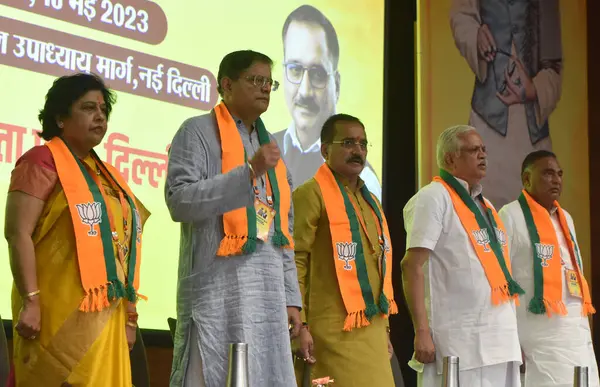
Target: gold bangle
(129, 323)
(31, 294)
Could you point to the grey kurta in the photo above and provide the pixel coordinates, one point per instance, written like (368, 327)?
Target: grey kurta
(233, 299)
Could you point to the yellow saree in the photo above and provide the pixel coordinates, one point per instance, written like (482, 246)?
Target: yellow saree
(73, 348)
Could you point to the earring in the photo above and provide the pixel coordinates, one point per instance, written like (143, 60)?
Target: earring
(60, 125)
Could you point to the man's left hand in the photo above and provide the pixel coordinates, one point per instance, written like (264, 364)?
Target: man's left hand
(519, 86)
(294, 320)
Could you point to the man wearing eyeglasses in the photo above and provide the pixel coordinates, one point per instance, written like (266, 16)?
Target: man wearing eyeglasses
(312, 88)
(229, 189)
(344, 260)
(514, 50)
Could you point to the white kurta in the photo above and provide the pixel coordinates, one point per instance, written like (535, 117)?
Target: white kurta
(552, 346)
(462, 319)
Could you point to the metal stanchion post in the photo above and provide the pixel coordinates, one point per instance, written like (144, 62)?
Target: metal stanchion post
(580, 377)
(237, 375)
(450, 372)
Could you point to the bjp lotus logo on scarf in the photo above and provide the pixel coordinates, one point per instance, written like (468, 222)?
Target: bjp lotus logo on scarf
(482, 238)
(346, 252)
(501, 236)
(544, 252)
(91, 215)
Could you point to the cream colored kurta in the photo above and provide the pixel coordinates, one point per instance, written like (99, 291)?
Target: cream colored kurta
(553, 346)
(353, 359)
(462, 319)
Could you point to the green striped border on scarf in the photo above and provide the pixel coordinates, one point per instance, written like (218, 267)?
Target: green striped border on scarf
(513, 286)
(384, 304)
(536, 305)
(129, 289)
(278, 239)
(116, 289)
(359, 259)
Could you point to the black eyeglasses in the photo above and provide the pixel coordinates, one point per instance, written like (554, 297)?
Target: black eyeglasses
(260, 81)
(317, 75)
(349, 143)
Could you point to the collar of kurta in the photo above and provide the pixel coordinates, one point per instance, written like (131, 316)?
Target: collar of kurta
(345, 181)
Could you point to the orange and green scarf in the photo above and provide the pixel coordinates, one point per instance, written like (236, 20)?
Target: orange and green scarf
(485, 240)
(347, 244)
(547, 267)
(93, 234)
(240, 224)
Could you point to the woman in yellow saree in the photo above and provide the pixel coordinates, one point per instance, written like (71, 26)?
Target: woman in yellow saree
(74, 234)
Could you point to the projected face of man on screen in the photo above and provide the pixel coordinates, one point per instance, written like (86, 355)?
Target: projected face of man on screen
(311, 81)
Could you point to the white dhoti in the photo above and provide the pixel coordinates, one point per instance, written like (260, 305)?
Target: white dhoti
(553, 347)
(497, 375)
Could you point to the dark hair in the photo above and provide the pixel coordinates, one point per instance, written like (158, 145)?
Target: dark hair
(328, 130)
(309, 14)
(63, 94)
(531, 158)
(235, 63)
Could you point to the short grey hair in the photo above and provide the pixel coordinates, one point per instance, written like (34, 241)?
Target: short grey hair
(449, 142)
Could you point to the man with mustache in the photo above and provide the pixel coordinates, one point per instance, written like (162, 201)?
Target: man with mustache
(312, 89)
(344, 260)
(553, 318)
(456, 272)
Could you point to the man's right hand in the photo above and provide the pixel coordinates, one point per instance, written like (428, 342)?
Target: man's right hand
(486, 45)
(424, 348)
(305, 346)
(265, 158)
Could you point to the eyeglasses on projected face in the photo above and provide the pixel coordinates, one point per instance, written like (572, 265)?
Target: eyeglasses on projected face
(260, 81)
(318, 76)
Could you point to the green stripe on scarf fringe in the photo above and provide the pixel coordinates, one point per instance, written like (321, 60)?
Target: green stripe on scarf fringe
(279, 239)
(250, 244)
(513, 286)
(359, 258)
(384, 304)
(129, 291)
(115, 286)
(576, 250)
(536, 305)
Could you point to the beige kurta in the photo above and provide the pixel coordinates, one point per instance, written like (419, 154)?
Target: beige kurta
(353, 359)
